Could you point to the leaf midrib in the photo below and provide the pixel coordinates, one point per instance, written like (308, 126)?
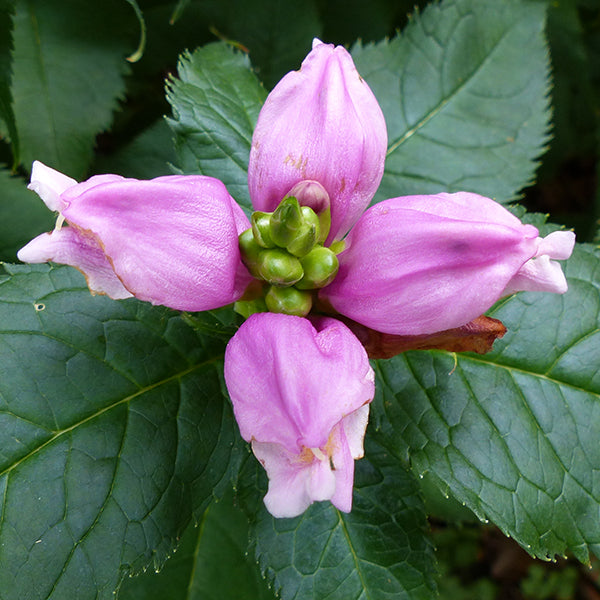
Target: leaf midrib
(512, 369)
(444, 101)
(355, 557)
(43, 74)
(106, 409)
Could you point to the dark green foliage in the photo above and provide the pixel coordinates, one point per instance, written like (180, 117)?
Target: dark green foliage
(464, 111)
(115, 434)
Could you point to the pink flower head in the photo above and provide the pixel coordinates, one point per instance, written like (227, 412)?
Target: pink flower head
(300, 394)
(171, 240)
(321, 123)
(422, 264)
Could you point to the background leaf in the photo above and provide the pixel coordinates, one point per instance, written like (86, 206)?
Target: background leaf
(68, 67)
(345, 21)
(512, 434)
(277, 34)
(216, 102)
(114, 433)
(464, 110)
(377, 551)
(22, 215)
(7, 8)
(150, 154)
(211, 563)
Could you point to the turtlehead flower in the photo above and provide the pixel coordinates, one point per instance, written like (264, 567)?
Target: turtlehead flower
(422, 264)
(412, 266)
(300, 392)
(172, 240)
(320, 123)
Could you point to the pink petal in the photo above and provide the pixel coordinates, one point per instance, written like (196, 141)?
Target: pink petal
(171, 240)
(68, 246)
(291, 383)
(423, 264)
(293, 485)
(321, 123)
(343, 462)
(73, 193)
(355, 426)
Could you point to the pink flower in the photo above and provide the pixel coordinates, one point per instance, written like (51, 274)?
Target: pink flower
(422, 264)
(417, 265)
(300, 394)
(321, 123)
(171, 240)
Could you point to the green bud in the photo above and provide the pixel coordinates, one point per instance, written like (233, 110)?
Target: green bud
(305, 241)
(338, 246)
(286, 221)
(320, 268)
(288, 300)
(322, 222)
(261, 229)
(250, 252)
(310, 218)
(325, 225)
(279, 268)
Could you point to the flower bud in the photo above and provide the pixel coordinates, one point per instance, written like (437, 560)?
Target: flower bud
(250, 251)
(279, 267)
(320, 267)
(310, 217)
(421, 264)
(323, 124)
(286, 222)
(288, 300)
(261, 229)
(311, 194)
(305, 240)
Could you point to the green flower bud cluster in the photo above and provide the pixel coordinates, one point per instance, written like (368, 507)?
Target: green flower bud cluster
(285, 250)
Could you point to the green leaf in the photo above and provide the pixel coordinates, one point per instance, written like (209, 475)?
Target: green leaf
(464, 92)
(379, 550)
(7, 9)
(512, 434)
(211, 563)
(115, 432)
(22, 215)
(216, 102)
(69, 62)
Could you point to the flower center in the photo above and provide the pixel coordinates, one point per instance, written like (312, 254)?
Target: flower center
(285, 251)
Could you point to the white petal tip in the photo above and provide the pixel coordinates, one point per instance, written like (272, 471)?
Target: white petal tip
(558, 245)
(49, 184)
(539, 275)
(37, 250)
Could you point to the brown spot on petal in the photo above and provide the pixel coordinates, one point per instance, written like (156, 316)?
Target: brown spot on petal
(477, 336)
(297, 163)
